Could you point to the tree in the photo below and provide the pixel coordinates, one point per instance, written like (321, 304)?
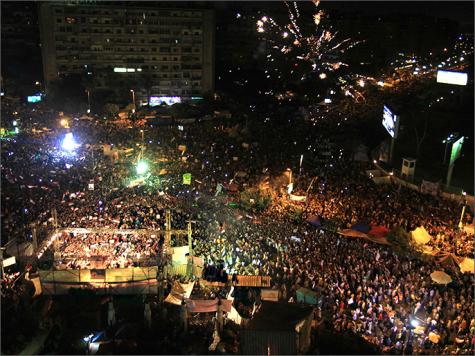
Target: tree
(111, 109)
(255, 199)
(403, 244)
(66, 93)
(181, 110)
(146, 81)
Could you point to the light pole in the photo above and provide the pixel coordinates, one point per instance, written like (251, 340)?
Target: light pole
(290, 186)
(447, 141)
(88, 101)
(141, 131)
(133, 99)
(460, 225)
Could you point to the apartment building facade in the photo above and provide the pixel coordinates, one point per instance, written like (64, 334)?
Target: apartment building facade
(155, 51)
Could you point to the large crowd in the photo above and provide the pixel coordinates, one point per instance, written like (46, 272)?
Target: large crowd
(363, 288)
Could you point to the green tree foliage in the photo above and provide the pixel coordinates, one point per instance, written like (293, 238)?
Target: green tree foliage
(181, 110)
(111, 109)
(255, 200)
(67, 94)
(403, 244)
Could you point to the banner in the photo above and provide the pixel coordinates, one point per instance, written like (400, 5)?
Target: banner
(456, 149)
(179, 254)
(187, 178)
(9, 261)
(208, 306)
(299, 198)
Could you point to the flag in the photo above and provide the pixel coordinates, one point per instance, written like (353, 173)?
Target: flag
(187, 178)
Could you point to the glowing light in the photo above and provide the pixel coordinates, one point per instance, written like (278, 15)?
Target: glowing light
(69, 143)
(142, 167)
(381, 83)
(285, 34)
(64, 123)
(414, 323)
(322, 75)
(361, 83)
(264, 19)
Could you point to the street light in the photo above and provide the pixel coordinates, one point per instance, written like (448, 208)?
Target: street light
(133, 99)
(142, 148)
(88, 101)
(142, 167)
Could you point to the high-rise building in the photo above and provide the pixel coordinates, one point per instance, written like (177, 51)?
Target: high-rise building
(21, 52)
(154, 51)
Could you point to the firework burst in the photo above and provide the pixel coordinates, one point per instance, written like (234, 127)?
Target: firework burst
(319, 48)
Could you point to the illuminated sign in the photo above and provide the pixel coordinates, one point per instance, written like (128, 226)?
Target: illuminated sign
(456, 149)
(390, 122)
(456, 78)
(169, 100)
(126, 70)
(34, 98)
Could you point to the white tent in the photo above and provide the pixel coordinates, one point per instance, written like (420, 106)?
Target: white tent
(468, 229)
(467, 265)
(420, 235)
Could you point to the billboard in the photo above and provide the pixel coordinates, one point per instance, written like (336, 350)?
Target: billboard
(456, 78)
(390, 122)
(456, 149)
(34, 98)
(169, 100)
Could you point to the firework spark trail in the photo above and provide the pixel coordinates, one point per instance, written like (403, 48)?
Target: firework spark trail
(318, 48)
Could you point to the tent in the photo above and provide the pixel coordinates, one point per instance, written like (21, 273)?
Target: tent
(378, 231)
(307, 296)
(316, 221)
(468, 229)
(440, 277)
(420, 235)
(467, 265)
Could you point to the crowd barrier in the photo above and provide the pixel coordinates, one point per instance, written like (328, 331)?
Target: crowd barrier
(469, 199)
(135, 280)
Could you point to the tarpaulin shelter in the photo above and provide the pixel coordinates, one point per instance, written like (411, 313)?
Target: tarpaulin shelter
(278, 329)
(378, 239)
(307, 296)
(179, 292)
(352, 233)
(361, 227)
(420, 235)
(446, 259)
(378, 231)
(316, 221)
